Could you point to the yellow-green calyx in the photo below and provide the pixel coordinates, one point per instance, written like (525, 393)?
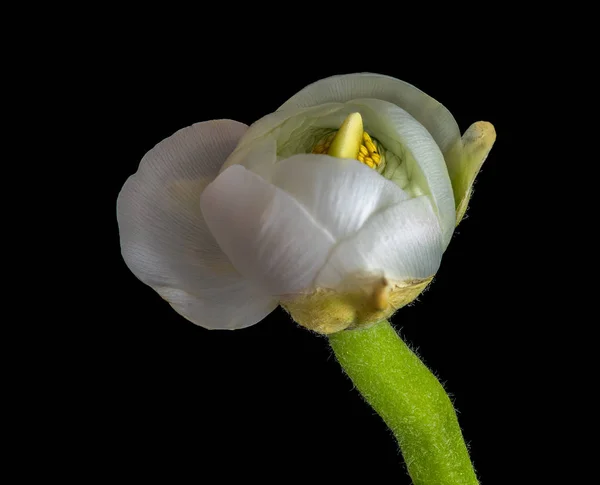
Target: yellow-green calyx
(350, 141)
(363, 300)
(328, 311)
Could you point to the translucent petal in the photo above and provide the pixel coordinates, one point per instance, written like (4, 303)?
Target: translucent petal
(269, 237)
(283, 123)
(279, 135)
(400, 132)
(426, 110)
(403, 242)
(164, 239)
(259, 157)
(232, 307)
(340, 194)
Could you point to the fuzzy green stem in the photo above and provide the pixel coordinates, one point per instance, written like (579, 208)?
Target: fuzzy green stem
(410, 400)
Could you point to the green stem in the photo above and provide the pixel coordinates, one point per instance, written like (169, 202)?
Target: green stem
(410, 400)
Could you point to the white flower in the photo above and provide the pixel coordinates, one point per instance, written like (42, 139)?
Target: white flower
(226, 221)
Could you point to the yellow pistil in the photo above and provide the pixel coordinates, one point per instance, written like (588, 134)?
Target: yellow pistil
(347, 141)
(350, 141)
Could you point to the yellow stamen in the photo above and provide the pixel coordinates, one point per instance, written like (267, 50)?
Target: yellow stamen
(346, 143)
(371, 147)
(376, 158)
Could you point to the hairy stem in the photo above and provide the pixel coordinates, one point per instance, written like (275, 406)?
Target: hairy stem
(410, 400)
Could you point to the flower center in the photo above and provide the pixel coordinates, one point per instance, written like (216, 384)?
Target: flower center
(350, 141)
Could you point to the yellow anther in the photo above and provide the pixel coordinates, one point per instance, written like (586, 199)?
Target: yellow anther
(346, 143)
(361, 158)
(371, 147)
(366, 137)
(376, 158)
(368, 160)
(364, 151)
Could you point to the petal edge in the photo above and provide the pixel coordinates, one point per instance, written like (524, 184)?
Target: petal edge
(164, 239)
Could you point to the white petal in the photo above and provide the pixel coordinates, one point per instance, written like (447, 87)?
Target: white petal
(268, 236)
(424, 170)
(340, 194)
(401, 243)
(401, 133)
(300, 133)
(259, 157)
(283, 123)
(279, 135)
(231, 307)
(164, 239)
(426, 110)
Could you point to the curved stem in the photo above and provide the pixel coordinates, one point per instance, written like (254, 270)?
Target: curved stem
(410, 400)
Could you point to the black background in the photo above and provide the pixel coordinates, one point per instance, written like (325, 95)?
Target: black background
(166, 398)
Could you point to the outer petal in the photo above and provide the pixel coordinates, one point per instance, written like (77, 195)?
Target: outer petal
(477, 143)
(403, 242)
(426, 110)
(238, 305)
(165, 241)
(267, 234)
(340, 194)
(391, 125)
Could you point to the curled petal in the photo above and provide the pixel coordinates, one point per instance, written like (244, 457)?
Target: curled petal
(279, 135)
(400, 132)
(340, 194)
(401, 243)
(165, 241)
(426, 110)
(268, 236)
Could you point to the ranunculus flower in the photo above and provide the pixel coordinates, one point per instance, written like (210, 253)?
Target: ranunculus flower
(227, 221)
